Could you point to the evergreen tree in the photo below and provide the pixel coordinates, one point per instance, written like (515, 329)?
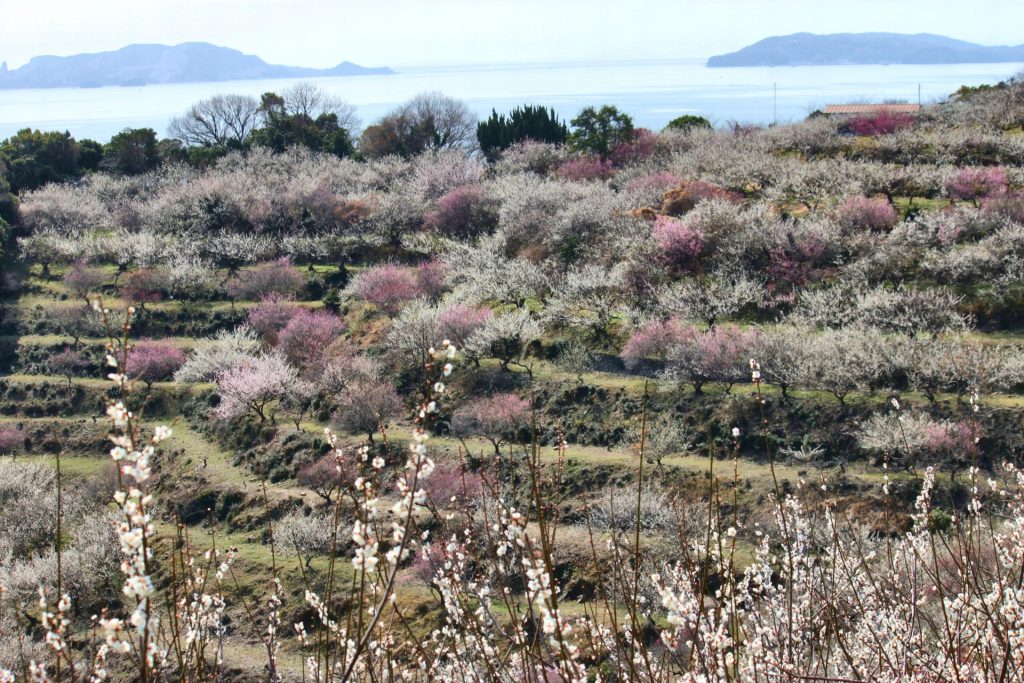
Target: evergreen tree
(529, 122)
(688, 122)
(598, 131)
(131, 152)
(286, 126)
(90, 154)
(34, 158)
(8, 202)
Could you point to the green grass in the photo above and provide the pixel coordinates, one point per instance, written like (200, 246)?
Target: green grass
(29, 302)
(54, 379)
(95, 382)
(73, 467)
(904, 204)
(996, 337)
(185, 343)
(218, 468)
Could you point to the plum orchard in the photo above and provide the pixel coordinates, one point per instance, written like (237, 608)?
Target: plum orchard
(795, 328)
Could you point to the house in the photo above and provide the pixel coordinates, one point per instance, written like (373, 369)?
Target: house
(869, 108)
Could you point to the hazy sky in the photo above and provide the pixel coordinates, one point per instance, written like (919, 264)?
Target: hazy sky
(321, 33)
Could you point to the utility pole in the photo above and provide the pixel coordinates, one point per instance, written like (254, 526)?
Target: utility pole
(775, 103)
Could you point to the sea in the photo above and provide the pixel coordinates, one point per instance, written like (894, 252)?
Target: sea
(653, 92)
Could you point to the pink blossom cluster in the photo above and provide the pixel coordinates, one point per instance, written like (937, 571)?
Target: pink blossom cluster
(82, 279)
(585, 168)
(12, 439)
(866, 213)
(153, 361)
(67, 362)
(641, 147)
(304, 340)
(145, 285)
(959, 438)
(657, 182)
(971, 183)
(270, 316)
(787, 270)
(493, 418)
(692, 354)
(680, 241)
(390, 286)
(463, 213)
(273, 277)
(881, 123)
(1008, 205)
(652, 341)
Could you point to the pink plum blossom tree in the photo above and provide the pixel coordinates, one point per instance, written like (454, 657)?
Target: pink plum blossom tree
(495, 418)
(642, 146)
(153, 361)
(388, 286)
(432, 277)
(366, 406)
(866, 213)
(458, 322)
(67, 363)
(272, 277)
(720, 354)
(82, 279)
(328, 475)
(453, 483)
(463, 213)
(253, 386)
(971, 183)
(680, 242)
(652, 341)
(585, 168)
(12, 440)
(145, 285)
(271, 315)
(1010, 205)
(307, 336)
(880, 123)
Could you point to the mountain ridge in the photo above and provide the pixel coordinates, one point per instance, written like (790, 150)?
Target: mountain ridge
(812, 49)
(154, 64)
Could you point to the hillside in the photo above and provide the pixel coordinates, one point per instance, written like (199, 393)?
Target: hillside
(809, 49)
(723, 396)
(153, 64)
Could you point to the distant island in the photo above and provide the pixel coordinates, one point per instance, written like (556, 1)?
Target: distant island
(809, 49)
(155, 64)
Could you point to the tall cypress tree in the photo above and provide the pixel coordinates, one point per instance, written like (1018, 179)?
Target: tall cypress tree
(529, 122)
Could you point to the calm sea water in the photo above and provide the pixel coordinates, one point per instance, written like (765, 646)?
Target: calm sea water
(653, 92)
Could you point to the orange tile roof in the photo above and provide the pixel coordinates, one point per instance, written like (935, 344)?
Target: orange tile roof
(871, 108)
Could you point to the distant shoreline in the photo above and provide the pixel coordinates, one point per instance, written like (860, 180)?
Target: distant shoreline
(141, 65)
(865, 49)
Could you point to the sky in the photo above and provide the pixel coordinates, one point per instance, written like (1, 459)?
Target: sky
(397, 33)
